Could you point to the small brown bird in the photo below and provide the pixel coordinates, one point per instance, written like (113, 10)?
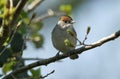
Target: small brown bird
(60, 34)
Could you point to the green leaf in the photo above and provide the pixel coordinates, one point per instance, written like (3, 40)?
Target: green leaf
(70, 32)
(66, 8)
(37, 40)
(36, 26)
(36, 73)
(23, 14)
(2, 2)
(5, 56)
(8, 66)
(17, 43)
(22, 29)
(68, 43)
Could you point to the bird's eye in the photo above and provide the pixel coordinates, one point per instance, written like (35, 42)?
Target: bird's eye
(66, 21)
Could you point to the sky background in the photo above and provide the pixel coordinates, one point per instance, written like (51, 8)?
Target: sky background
(99, 63)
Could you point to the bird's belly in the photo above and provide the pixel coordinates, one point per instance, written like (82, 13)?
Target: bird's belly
(60, 44)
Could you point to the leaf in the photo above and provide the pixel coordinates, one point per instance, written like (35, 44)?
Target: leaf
(2, 3)
(5, 56)
(70, 32)
(37, 40)
(17, 43)
(68, 43)
(66, 8)
(22, 29)
(23, 14)
(36, 26)
(36, 73)
(7, 66)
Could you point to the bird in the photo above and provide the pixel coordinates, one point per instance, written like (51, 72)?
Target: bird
(60, 34)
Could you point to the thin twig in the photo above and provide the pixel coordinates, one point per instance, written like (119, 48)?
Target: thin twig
(14, 77)
(39, 59)
(84, 39)
(32, 58)
(47, 74)
(56, 58)
(11, 5)
(18, 10)
(78, 40)
(18, 25)
(87, 32)
(27, 33)
(49, 13)
(7, 29)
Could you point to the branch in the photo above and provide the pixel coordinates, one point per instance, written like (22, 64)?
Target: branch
(59, 57)
(3, 50)
(19, 8)
(42, 77)
(32, 59)
(8, 28)
(49, 13)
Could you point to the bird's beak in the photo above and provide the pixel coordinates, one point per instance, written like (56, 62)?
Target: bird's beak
(72, 22)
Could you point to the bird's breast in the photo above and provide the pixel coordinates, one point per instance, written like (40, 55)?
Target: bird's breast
(58, 38)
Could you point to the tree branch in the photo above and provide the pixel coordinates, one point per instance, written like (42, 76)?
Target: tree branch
(32, 58)
(42, 77)
(8, 28)
(49, 13)
(58, 57)
(19, 8)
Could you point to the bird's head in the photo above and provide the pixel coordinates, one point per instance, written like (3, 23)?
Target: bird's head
(65, 21)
